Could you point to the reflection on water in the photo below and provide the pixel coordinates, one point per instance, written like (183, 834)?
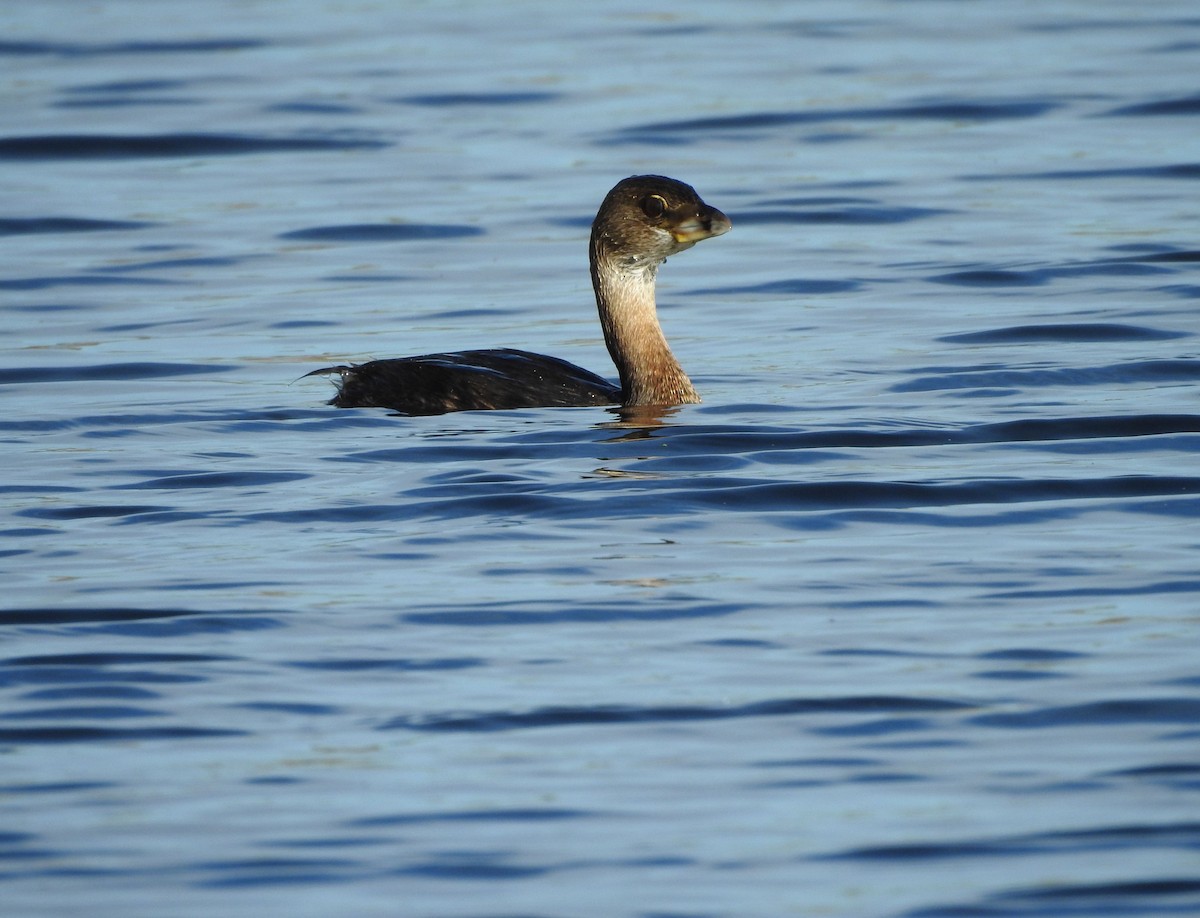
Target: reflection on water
(912, 589)
(640, 421)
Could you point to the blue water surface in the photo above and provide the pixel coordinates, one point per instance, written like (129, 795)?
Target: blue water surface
(900, 621)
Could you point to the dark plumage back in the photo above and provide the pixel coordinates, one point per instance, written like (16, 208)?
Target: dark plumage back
(470, 380)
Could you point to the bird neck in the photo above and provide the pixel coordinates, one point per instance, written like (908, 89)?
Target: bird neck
(650, 374)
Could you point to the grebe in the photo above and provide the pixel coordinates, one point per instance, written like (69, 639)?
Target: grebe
(642, 221)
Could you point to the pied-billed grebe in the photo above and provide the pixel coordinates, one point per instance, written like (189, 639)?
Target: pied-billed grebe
(642, 221)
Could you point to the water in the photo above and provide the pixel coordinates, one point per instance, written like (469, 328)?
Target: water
(900, 622)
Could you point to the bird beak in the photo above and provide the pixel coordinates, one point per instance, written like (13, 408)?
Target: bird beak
(710, 222)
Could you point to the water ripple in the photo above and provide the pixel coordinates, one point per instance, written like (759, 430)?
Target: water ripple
(71, 615)
(389, 665)
(121, 146)
(1099, 713)
(106, 371)
(529, 814)
(560, 716)
(383, 232)
(1187, 105)
(242, 479)
(664, 608)
(81, 49)
(22, 226)
(1183, 835)
(800, 286)
(1065, 332)
(111, 734)
(856, 214)
(1114, 374)
(79, 280)
(1170, 171)
(743, 124)
(471, 99)
(641, 496)
(1135, 898)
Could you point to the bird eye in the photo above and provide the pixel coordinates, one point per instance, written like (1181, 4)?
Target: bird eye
(654, 206)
